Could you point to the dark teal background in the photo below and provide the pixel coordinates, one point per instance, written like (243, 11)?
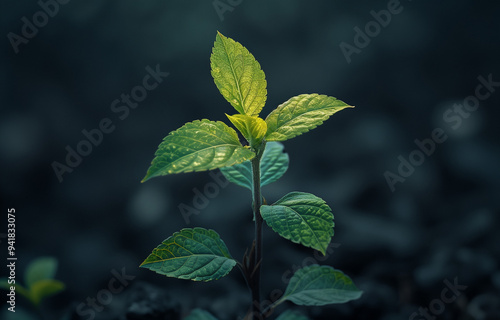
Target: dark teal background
(399, 247)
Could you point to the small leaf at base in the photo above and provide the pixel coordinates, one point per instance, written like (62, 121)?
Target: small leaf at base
(198, 314)
(292, 315)
(320, 285)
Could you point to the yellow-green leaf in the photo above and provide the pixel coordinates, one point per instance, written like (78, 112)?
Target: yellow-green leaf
(238, 76)
(301, 114)
(197, 146)
(251, 127)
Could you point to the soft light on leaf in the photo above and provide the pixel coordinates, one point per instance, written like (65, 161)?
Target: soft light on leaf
(273, 165)
(238, 76)
(197, 146)
(40, 269)
(320, 285)
(252, 128)
(301, 114)
(301, 218)
(198, 314)
(195, 254)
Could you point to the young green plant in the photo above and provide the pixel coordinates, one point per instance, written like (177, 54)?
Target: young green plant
(39, 284)
(200, 254)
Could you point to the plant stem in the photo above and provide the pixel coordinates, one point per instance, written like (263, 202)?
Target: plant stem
(257, 202)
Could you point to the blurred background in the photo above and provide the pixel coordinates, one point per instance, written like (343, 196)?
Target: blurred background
(409, 224)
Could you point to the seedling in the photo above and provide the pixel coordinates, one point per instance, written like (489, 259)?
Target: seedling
(200, 254)
(39, 283)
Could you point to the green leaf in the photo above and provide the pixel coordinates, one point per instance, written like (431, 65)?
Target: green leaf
(195, 254)
(292, 315)
(45, 288)
(273, 165)
(240, 174)
(198, 314)
(301, 114)
(40, 269)
(238, 76)
(252, 128)
(302, 218)
(197, 146)
(320, 285)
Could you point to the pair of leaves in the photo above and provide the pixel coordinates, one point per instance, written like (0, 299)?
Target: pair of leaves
(39, 280)
(310, 286)
(205, 145)
(273, 165)
(240, 79)
(200, 254)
